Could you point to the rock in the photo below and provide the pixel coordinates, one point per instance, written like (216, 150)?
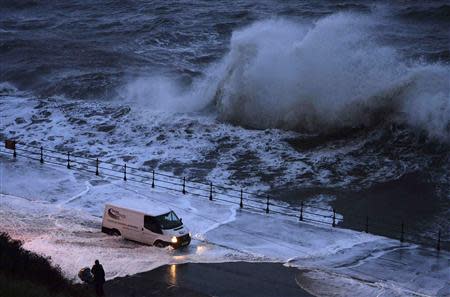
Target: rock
(105, 128)
(151, 163)
(77, 121)
(20, 121)
(121, 112)
(127, 158)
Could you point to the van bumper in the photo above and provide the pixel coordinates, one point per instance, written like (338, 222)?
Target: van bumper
(182, 241)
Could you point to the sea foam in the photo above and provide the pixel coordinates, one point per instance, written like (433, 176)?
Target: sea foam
(322, 77)
(325, 77)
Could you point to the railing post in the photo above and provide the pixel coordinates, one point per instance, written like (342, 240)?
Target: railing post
(267, 204)
(367, 224)
(125, 172)
(184, 185)
(301, 211)
(241, 204)
(438, 247)
(402, 234)
(96, 167)
(153, 178)
(210, 191)
(42, 155)
(334, 218)
(68, 160)
(11, 145)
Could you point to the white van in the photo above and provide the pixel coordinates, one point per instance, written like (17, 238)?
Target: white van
(158, 226)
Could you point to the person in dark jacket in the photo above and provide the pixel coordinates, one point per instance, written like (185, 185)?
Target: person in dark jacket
(99, 278)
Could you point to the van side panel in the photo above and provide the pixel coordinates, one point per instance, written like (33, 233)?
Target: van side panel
(129, 223)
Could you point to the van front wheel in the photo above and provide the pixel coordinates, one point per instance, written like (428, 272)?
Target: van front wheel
(115, 232)
(160, 244)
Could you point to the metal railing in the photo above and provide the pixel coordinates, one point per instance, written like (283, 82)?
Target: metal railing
(250, 201)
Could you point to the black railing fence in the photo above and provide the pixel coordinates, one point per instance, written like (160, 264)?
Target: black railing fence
(247, 200)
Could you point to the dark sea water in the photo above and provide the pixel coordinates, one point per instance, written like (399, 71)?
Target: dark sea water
(345, 103)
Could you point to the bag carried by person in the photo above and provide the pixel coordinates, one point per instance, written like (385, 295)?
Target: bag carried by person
(85, 275)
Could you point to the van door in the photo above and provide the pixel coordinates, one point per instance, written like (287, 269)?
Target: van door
(151, 231)
(130, 225)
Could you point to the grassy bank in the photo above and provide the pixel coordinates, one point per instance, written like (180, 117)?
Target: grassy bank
(24, 273)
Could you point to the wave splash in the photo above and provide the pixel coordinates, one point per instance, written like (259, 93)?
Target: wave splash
(318, 78)
(323, 78)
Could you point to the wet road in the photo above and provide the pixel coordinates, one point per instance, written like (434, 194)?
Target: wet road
(219, 279)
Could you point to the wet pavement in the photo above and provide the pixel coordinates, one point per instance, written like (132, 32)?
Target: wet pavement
(219, 279)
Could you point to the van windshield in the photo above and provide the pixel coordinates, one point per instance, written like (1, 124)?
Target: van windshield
(169, 220)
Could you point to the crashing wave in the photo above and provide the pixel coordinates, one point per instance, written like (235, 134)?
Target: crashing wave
(320, 78)
(333, 75)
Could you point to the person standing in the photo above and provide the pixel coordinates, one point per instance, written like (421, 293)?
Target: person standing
(99, 278)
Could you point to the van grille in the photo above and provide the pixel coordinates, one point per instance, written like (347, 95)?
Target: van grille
(184, 238)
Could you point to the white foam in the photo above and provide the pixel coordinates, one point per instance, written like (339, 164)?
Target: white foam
(319, 77)
(325, 77)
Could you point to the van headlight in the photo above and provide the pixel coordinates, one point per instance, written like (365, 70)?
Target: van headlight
(174, 239)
